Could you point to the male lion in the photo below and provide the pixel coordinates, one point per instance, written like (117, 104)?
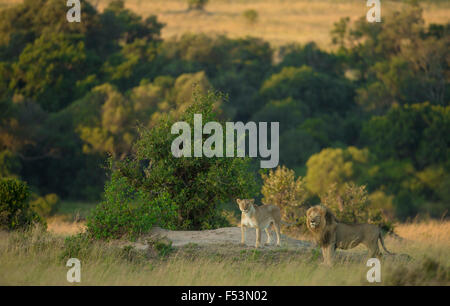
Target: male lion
(259, 217)
(330, 234)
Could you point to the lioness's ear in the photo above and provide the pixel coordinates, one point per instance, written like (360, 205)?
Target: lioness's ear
(252, 201)
(238, 201)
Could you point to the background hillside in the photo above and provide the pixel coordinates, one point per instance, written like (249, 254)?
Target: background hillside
(358, 103)
(279, 21)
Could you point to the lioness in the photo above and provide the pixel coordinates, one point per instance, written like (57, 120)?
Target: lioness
(259, 217)
(330, 234)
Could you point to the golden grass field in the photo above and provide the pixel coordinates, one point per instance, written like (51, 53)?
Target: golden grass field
(38, 258)
(279, 21)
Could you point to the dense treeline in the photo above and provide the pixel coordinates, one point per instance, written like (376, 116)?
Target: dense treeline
(374, 112)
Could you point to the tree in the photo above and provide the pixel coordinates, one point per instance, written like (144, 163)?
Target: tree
(281, 188)
(416, 132)
(235, 66)
(295, 55)
(25, 22)
(48, 69)
(351, 204)
(319, 92)
(15, 210)
(197, 4)
(334, 166)
(195, 186)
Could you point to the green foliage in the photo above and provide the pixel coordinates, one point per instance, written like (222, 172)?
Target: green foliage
(76, 246)
(281, 188)
(334, 166)
(416, 132)
(197, 4)
(396, 61)
(113, 133)
(40, 67)
(351, 205)
(21, 24)
(106, 119)
(129, 212)
(9, 164)
(237, 66)
(251, 16)
(15, 210)
(194, 186)
(73, 93)
(317, 91)
(295, 55)
(44, 205)
(162, 245)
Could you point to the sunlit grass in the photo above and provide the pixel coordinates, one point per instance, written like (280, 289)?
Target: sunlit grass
(279, 21)
(35, 258)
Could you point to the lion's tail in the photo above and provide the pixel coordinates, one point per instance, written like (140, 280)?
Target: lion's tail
(382, 244)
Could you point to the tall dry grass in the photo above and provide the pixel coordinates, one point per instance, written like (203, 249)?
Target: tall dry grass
(38, 258)
(279, 21)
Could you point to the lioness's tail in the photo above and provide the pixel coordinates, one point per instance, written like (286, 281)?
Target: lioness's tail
(382, 243)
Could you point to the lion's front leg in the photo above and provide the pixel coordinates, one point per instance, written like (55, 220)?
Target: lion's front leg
(242, 234)
(258, 237)
(328, 254)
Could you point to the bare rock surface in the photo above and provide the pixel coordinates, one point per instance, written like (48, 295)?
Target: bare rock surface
(226, 235)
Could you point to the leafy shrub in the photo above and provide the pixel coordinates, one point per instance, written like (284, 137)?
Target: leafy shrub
(197, 4)
(335, 166)
(161, 245)
(289, 194)
(15, 210)
(9, 164)
(76, 246)
(174, 192)
(127, 211)
(44, 205)
(351, 205)
(251, 16)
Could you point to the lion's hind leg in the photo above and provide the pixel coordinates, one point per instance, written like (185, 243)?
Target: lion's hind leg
(374, 250)
(276, 227)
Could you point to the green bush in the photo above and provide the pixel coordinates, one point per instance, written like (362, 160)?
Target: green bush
(15, 210)
(197, 4)
(128, 212)
(351, 205)
(156, 188)
(281, 188)
(44, 205)
(251, 16)
(76, 246)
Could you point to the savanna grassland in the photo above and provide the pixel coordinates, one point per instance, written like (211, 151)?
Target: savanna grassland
(278, 21)
(38, 258)
(362, 129)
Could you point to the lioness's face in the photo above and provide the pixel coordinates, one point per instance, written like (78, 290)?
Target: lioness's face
(245, 205)
(313, 217)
